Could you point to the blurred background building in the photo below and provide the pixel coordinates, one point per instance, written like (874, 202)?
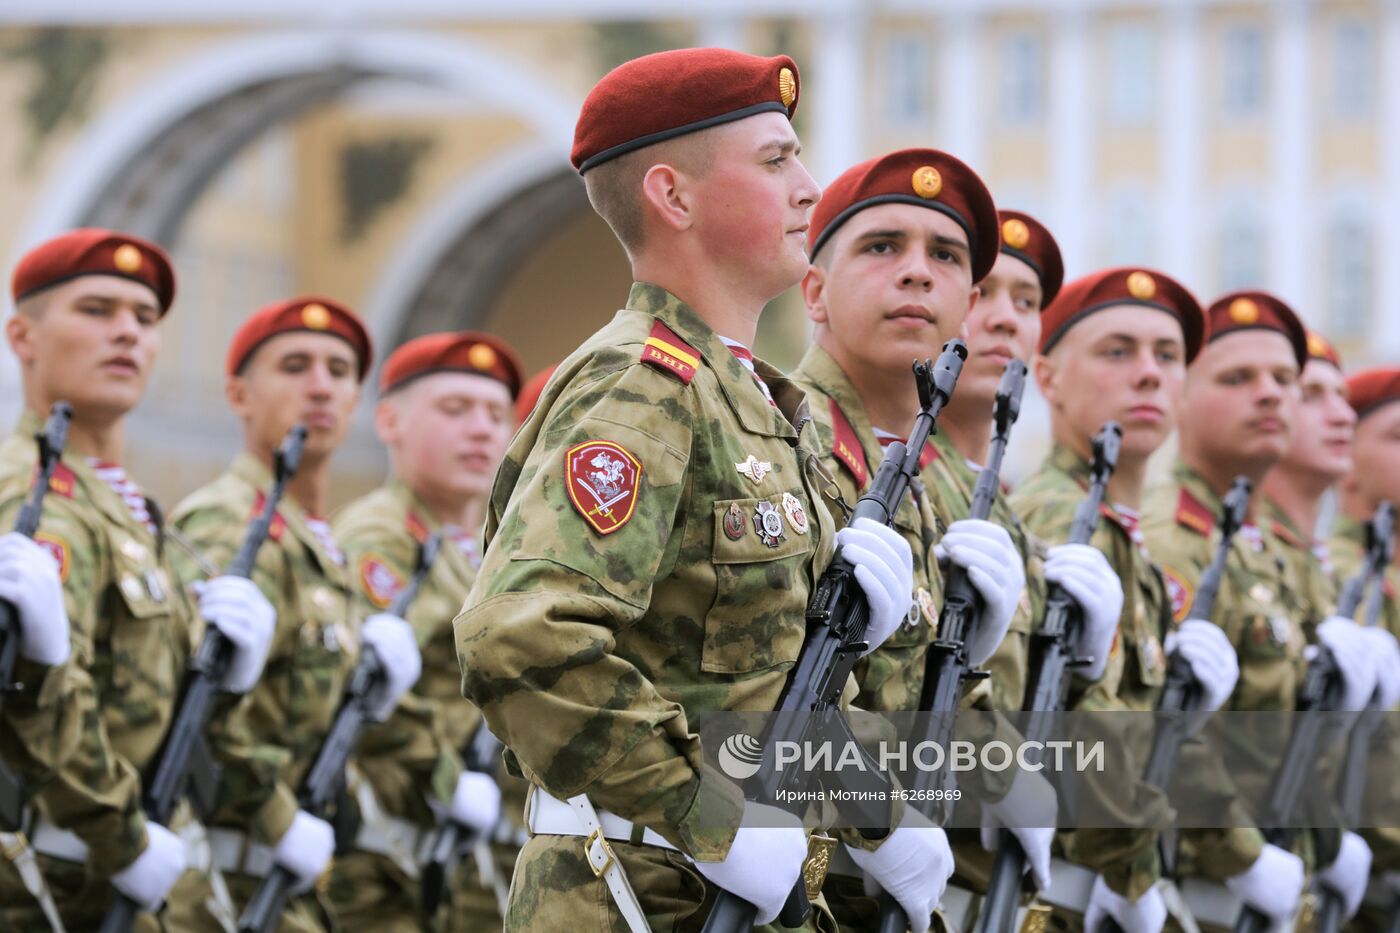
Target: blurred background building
(410, 157)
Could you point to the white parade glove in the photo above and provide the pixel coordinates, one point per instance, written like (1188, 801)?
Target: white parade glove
(1086, 575)
(1349, 873)
(1272, 885)
(396, 646)
(476, 803)
(1351, 648)
(994, 568)
(155, 871)
(912, 865)
(884, 568)
(1214, 664)
(1386, 653)
(238, 609)
(305, 849)
(29, 581)
(764, 861)
(1147, 914)
(1028, 810)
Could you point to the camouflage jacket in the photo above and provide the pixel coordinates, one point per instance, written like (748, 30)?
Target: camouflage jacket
(950, 480)
(1133, 679)
(652, 540)
(271, 737)
(1260, 611)
(411, 756)
(1314, 579)
(83, 731)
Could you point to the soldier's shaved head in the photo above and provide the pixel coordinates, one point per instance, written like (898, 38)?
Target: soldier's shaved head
(615, 187)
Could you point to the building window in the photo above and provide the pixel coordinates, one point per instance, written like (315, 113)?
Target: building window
(1022, 76)
(1353, 70)
(1242, 247)
(907, 80)
(1244, 71)
(1127, 237)
(1132, 69)
(1348, 274)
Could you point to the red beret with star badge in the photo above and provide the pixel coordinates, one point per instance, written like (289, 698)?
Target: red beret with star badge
(529, 396)
(1129, 285)
(668, 94)
(1369, 389)
(93, 251)
(1320, 348)
(922, 177)
(306, 315)
(1254, 310)
(1028, 240)
(455, 352)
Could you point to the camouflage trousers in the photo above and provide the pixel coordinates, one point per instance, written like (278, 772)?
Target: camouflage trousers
(303, 914)
(554, 888)
(82, 900)
(473, 906)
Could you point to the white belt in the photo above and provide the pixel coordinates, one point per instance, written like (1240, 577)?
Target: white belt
(235, 853)
(550, 816)
(1210, 903)
(1070, 886)
(18, 851)
(392, 838)
(55, 842)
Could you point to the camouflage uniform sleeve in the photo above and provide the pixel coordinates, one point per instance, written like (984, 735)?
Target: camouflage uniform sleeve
(408, 759)
(537, 637)
(63, 745)
(251, 792)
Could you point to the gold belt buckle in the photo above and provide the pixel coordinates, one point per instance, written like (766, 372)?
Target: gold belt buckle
(819, 851)
(1307, 908)
(1037, 918)
(13, 850)
(597, 836)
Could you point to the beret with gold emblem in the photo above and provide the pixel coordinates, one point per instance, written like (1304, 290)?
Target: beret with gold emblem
(529, 396)
(1129, 285)
(1028, 240)
(668, 94)
(1320, 348)
(923, 177)
(1253, 310)
(93, 251)
(455, 352)
(1370, 389)
(309, 314)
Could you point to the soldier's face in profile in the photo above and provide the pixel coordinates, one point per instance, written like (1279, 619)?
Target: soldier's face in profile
(1376, 455)
(751, 207)
(447, 434)
(93, 341)
(1124, 364)
(891, 285)
(297, 378)
(1242, 398)
(1322, 436)
(1004, 325)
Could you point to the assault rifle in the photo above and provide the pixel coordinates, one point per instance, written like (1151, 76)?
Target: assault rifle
(481, 754)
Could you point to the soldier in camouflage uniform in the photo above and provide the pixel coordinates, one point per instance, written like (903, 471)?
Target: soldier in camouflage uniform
(1373, 480)
(894, 262)
(89, 305)
(1246, 377)
(446, 417)
(654, 532)
(1114, 347)
(298, 361)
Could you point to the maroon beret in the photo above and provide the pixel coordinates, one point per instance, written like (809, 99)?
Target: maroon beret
(1252, 310)
(924, 177)
(93, 251)
(529, 396)
(311, 315)
(1130, 285)
(459, 352)
(1369, 389)
(1028, 240)
(1320, 348)
(668, 94)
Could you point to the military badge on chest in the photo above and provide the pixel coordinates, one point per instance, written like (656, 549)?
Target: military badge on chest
(796, 516)
(754, 468)
(768, 523)
(734, 522)
(602, 479)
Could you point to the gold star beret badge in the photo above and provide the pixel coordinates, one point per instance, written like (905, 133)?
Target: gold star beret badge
(1244, 311)
(1015, 234)
(1141, 286)
(480, 356)
(315, 316)
(787, 87)
(127, 258)
(927, 182)
(1316, 345)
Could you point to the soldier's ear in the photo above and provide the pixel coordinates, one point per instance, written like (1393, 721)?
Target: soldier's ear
(236, 394)
(386, 422)
(666, 195)
(1045, 372)
(814, 294)
(17, 334)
